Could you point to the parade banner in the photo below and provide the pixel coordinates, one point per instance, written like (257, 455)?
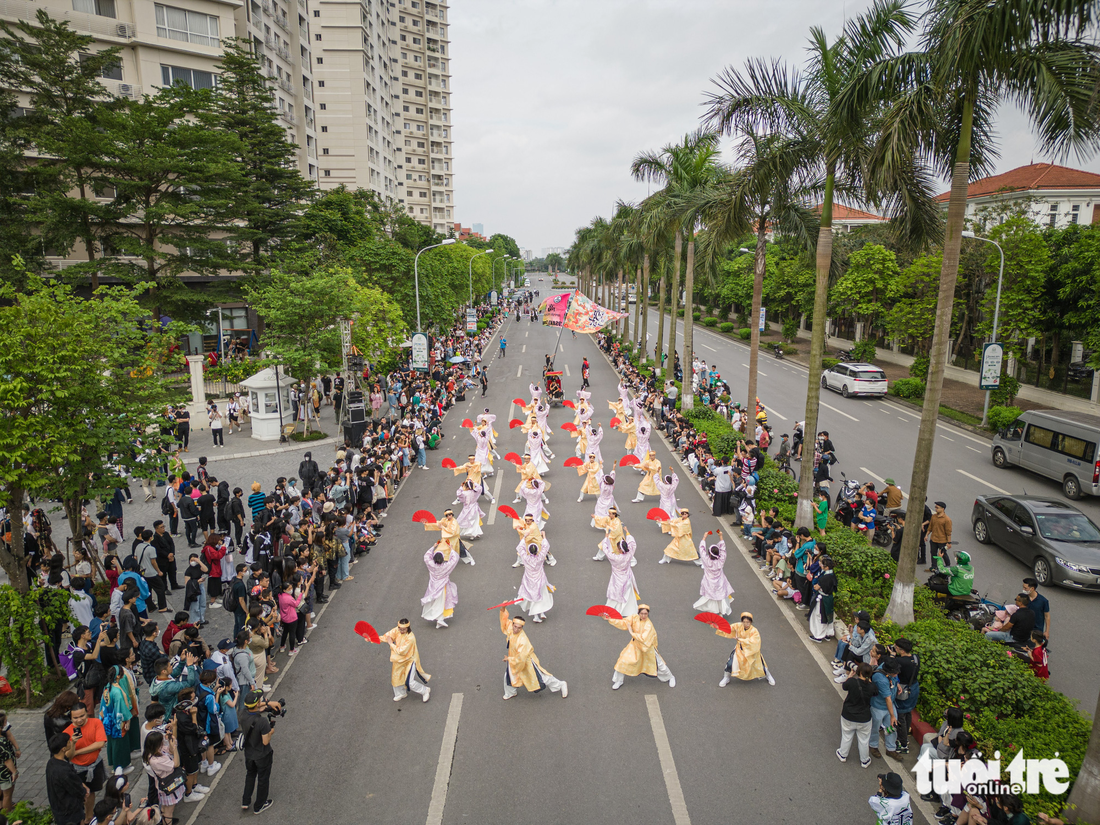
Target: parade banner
(586, 316)
(554, 308)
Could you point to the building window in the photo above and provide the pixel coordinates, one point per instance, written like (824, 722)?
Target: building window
(1053, 216)
(418, 76)
(316, 37)
(328, 173)
(404, 73)
(1075, 213)
(401, 18)
(100, 8)
(416, 41)
(320, 60)
(324, 105)
(195, 78)
(316, 13)
(321, 84)
(188, 26)
(324, 128)
(324, 151)
(404, 108)
(419, 111)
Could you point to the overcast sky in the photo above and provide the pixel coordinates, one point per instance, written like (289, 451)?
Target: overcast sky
(553, 98)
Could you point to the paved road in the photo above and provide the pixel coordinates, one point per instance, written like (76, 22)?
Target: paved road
(347, 752)
(875, 439)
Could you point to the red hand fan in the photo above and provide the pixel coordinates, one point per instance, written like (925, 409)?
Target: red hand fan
(603, 611)
(514, 458)
(569, 426)
(714, 620)
(569, 404)
(467, 423)
(424, 517)
(573, 462)
(367, 632)
(504, 604)
(519, 402)
(629, 461)
(505, 510)
(615, 422)
(448, 464)
(657, 514)
(515, 422)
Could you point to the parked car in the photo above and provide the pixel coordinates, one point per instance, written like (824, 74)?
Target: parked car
(855, 379)
(1080, 371)
(1058, 444)
(1058, 541)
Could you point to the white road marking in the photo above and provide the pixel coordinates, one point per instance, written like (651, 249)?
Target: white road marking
(993, 487)
(975, 449)
(567, 375)
(561, 347)
(446, 759)
(526, 334)
(523, 348)
(712, 349)
(880, 479)
(668, 764)
(746, 366)
(946, 437)
(881, 410)
(964, 435)
(758, 372)
(834, 409)
(777, 415)
(519, 372)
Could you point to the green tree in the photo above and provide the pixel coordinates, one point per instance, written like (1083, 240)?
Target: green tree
(60, 71)
(811, 105)
(505, 244)
(941, 101)
(684, 169)
(81, 377)
(266, 195)
(555, 262)
(861, 292)
(912, 315)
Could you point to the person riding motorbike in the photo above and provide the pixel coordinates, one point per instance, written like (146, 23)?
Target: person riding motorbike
(957, 580)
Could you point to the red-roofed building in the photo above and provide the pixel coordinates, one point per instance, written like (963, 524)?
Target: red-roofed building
(1059, 195)
(845, 218)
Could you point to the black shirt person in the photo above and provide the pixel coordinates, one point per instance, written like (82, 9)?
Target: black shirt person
(257, 729)
(64, 787)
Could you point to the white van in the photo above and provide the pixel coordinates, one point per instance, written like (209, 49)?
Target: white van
(1057, 444)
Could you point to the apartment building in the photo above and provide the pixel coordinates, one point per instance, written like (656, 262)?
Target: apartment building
(181, 41)
(392, 135)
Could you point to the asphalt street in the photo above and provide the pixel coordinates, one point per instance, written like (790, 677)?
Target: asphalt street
(646, 753)
(875, 439)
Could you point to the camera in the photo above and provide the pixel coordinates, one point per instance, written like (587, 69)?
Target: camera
(276, 709)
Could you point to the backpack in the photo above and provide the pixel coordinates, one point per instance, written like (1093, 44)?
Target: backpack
(165, 506)
(905, 691)
(229, 601)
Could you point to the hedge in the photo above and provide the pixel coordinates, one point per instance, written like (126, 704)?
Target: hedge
(1007, 708)
(695, 316)
(908, 388)
(725, 326)
(1001, 418)
(710, 322)
(745, 333)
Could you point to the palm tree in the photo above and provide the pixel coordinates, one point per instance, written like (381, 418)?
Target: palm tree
(769, 96)
(941, 101)
(683, 168)
(768, 189)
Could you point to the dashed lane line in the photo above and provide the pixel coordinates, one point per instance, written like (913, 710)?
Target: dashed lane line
(841, 412)
(993, 487)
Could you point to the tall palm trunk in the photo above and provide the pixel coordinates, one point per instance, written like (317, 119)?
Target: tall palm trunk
(637, 306)
(688, 400)
(805, 506)
(674, 298)
(660, 348)
(900, 608)
(624, 324)
(643, 310)
(754, 318)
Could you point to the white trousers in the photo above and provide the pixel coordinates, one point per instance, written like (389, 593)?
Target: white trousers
(552, 684)
(862, 733)
(663, 673)
(413, 682)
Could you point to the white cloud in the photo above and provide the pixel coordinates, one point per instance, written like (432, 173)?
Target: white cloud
(554, 98)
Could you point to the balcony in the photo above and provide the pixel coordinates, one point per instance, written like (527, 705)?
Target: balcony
(267, 7)
(283, 51)
(87, 23)
(288, 116)
(286, 85)
(302, 5)
(282, 23)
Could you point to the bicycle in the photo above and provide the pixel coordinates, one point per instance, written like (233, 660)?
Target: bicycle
(783, 463)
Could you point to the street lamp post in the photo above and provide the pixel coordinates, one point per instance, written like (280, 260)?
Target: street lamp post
(996, 309)
(486, 252)
(502, 259)
(416, 275)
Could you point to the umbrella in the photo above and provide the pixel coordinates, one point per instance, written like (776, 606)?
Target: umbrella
(367, 632)
(714, 620)
(603, 611)
(457, 359)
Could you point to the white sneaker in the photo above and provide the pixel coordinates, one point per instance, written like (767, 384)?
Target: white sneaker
(312, 615)
(725, 681)
(597, 558)
(213, 768)
(200, 788)
(664, 560)
(636, 499)
(672, 682)
(441, 623)
(551, 561)
(427, 694)
(128, 769)
(564, 689)
(194, 796)
(633, 562)
(515, 501)
(580, 498)
(843, 677)
(518, 563)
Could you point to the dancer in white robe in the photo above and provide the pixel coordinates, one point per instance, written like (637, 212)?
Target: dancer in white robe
(469, 518)
(531, 492)
(536, 393)
(622, 590)
(481, 453)
(595, 436)
(486, 419)
(537, 451)
(441, 597)
(601, 516)
(667, 488)
(542, 412)
(535, 590)
(624, 399)
(642, 432)
(715, 592)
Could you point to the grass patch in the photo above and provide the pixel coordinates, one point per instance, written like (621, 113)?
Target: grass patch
(960, 416)
(53, 685)
(312, 435)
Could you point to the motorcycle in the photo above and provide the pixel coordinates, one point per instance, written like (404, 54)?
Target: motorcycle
(849, 487)
(845, 355)
(882, 537)
(778, 350)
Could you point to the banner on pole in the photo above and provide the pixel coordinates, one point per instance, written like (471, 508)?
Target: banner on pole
(554, 308)
(586, 316)
(993, 355)
(420, 351)
(763, 319)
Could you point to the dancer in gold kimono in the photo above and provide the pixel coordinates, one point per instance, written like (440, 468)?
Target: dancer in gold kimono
(591, 469)
(449, 540)
(627, 426)
(472, 469)
(682, 547)
(640, 657)
(522, 665)
(405, 671)
(745, 662)
(614, 532)
(652, 469)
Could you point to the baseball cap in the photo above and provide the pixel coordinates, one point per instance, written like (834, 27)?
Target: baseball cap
(253, 698)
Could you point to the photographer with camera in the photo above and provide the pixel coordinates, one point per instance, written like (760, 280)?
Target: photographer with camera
(257, 728)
